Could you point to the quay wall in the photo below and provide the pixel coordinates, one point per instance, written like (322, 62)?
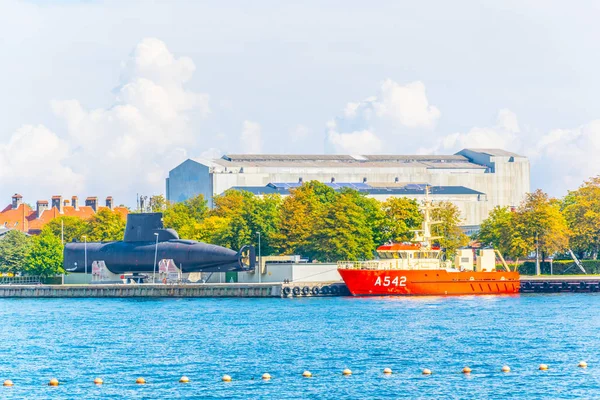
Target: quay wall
(264, 290)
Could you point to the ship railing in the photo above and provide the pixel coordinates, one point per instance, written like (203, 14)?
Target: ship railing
(358, 265)
(388, 265)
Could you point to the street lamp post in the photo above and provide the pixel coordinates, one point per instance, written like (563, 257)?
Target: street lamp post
(155, 255)
(85, 253)
(259, 260)
(538, 270)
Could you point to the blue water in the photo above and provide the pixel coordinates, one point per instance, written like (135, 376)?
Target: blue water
(76, 340)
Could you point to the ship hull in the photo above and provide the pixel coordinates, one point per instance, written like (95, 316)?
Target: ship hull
(432, 282)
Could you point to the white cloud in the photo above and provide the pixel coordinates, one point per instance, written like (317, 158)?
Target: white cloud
(568, 157)
(251, 138)
(503, 135)
(408, 105)
(392, 115)
(210, 154)
(122, 149)
(358, 142)
(35, 157)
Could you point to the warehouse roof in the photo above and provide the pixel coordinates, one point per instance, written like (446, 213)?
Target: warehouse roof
(410, 189)
(495, 152)
(346, 161)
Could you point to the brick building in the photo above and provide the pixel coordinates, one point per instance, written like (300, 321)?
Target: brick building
(24, 218)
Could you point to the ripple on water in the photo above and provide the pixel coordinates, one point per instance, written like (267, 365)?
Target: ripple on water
(77, 340)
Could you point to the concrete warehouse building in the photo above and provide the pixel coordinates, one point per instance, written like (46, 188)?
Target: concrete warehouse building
(476, 180)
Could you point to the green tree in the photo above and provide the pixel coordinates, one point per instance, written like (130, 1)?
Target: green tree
(344, 232)
(73, 227)
(234, 207)
(402, 217)
(448, 227)
(264, 217)
(13, 251)
(186, 217)
(45, 255)
(540, 220)
(105, 225)
(498, 230)
(374, 213)
(582, 213)
(157, 203)
(300, 212)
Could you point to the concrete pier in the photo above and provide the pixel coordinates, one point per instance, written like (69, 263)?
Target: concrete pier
(277, 290)
(560, 283)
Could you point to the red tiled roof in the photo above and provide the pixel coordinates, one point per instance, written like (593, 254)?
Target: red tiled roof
(26, 219)
(84, 212)
(18, 216)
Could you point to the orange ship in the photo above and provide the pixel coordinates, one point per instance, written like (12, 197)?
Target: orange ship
(418, 268)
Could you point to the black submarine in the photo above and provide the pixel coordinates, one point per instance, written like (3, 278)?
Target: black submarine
(145, 235)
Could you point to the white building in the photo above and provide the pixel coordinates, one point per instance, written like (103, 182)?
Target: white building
(476, 180)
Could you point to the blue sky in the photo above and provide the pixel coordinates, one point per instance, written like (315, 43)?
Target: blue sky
(104, 97)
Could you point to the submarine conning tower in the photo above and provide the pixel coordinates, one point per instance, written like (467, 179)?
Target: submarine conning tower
(142, 227)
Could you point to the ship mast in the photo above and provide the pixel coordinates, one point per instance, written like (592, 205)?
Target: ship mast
(425, 233)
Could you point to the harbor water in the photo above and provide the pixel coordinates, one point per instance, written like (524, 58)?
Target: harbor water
(119, 340)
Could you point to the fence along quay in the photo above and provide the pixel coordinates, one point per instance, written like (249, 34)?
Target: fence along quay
(265, 290)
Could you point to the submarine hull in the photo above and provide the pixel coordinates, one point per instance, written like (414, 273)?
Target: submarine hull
(191, 256)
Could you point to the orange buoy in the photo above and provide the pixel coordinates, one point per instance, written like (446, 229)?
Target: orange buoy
(582, 364)
(8, 382)
(266, 376)
(307, 374)
(140, 381)
(543, 367)
(347, 372)
(506, 368)
(226, 378)
(53, 382)
(184, 379)
(466, 370)
(98, 381)
(427, 371)
(387, 371)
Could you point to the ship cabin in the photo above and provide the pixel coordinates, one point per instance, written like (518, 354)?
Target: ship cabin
(402, 256)
(408, 251)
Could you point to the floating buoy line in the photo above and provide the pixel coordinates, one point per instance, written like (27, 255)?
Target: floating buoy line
(306, 374)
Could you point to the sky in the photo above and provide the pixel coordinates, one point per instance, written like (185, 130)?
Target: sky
(105, 97)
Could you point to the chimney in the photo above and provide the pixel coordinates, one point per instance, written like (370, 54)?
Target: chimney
(57, 202)
(75, 202)
(109, 202)
(66, 203)
(92, 202)
(42, 205)
(17, 200)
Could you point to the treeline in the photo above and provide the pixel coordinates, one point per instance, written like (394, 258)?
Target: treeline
(42, 255)
(550, 224)
(321, 224)
(314, 221)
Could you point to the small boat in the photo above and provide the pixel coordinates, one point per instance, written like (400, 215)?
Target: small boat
(419, 268)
